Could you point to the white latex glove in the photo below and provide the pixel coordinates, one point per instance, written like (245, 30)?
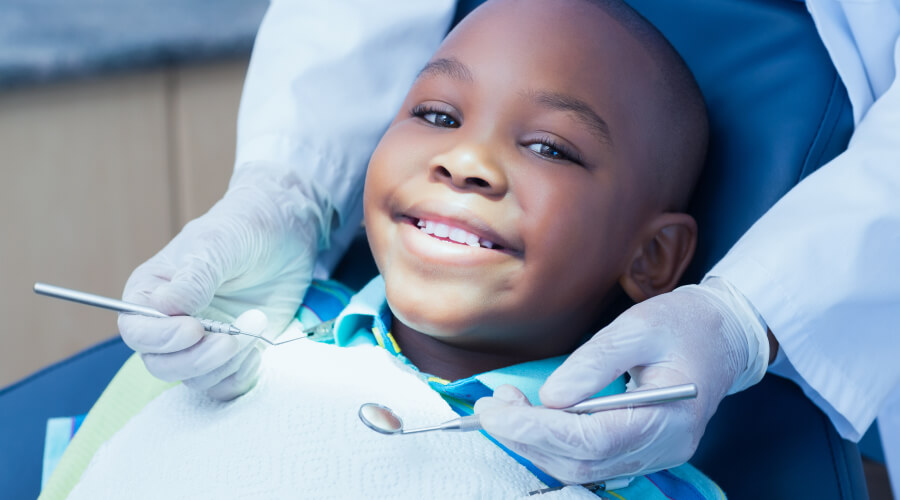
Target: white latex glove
(705, 334)
(255, 249)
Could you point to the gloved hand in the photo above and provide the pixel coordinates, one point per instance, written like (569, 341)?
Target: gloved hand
(706, 334)
(255, 249)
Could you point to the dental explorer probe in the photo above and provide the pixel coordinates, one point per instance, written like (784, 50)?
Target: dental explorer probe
(382, 419)
(127, 307)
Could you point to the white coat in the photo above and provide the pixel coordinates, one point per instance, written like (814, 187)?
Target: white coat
(822, 266)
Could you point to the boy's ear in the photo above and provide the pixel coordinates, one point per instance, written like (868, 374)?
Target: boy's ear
(661, 258)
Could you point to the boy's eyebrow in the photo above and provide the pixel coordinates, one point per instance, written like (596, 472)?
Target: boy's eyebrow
(447, 66)
(585, 114)
(453, 68)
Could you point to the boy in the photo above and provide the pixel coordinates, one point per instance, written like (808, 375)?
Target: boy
(532, 178)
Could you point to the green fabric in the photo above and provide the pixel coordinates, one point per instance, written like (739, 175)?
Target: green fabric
(128, 392)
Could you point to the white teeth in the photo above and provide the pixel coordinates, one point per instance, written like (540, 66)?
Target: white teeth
(456, 234)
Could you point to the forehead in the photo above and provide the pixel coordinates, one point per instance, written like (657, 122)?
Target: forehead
(568, 45)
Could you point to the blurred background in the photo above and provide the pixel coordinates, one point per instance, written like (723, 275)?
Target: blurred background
(117, 126)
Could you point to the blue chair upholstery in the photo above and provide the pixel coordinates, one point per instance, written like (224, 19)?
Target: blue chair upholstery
(67, 388)
(777, 110)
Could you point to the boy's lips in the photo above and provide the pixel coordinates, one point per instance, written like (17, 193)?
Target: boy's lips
(458, 226)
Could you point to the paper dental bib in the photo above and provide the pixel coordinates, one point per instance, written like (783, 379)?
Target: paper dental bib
(297, 435)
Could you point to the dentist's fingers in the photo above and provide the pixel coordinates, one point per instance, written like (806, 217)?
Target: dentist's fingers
(239, 374)
(211, 352)
(611, 352)
(529, 435)
(181, 289)
(157, 284)
(504, 396)
(191, 288)
(159, 335)
(511, 395)
(252, 321)
(241, 381)
(146, 278)
(575, 436)
(208, 380)
(575, 448)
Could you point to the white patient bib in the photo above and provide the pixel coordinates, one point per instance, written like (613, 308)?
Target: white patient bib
(297, 435)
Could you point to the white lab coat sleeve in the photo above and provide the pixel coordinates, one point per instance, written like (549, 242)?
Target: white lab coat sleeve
(860, 38)
(822, 267)
(324, 81)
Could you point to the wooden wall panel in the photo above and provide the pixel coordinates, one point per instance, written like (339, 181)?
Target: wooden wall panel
(205, 101)
(98, 176)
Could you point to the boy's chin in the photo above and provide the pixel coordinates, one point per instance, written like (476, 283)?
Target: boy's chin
(453, 313)
(441, 327)
(462, 331)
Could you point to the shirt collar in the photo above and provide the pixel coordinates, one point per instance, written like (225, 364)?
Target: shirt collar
(367, 320)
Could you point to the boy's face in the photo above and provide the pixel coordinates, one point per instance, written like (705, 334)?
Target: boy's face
(521, 132)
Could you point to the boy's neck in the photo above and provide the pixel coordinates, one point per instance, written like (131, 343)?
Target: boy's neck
(451, 362)
(434, 357)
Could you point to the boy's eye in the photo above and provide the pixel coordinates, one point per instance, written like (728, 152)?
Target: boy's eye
(438, 118)
(550, 150)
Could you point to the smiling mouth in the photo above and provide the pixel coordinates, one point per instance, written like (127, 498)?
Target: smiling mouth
(452, 234)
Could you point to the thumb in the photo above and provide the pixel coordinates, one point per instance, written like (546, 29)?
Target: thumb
(504, 396)
(611, 352)
(190, 290)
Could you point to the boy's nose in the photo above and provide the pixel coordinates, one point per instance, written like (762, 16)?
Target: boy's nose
(470, 169)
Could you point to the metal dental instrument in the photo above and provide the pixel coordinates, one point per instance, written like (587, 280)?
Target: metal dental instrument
(382, 419)
(595, 487)
(127, 307)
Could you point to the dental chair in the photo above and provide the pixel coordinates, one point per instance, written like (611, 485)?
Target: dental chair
(777, 112)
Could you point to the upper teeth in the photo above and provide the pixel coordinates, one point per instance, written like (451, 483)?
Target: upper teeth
(456, 234)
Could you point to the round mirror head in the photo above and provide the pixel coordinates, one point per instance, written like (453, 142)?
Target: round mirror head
(380, 418)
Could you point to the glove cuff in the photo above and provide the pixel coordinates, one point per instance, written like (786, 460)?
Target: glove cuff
(743, 320)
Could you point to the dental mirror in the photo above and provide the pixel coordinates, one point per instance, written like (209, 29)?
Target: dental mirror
(382, 419)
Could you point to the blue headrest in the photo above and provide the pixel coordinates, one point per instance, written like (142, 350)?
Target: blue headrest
(777, 108)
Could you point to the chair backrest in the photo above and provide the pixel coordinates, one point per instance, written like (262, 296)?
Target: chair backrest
(777, 108)
(778, 111)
